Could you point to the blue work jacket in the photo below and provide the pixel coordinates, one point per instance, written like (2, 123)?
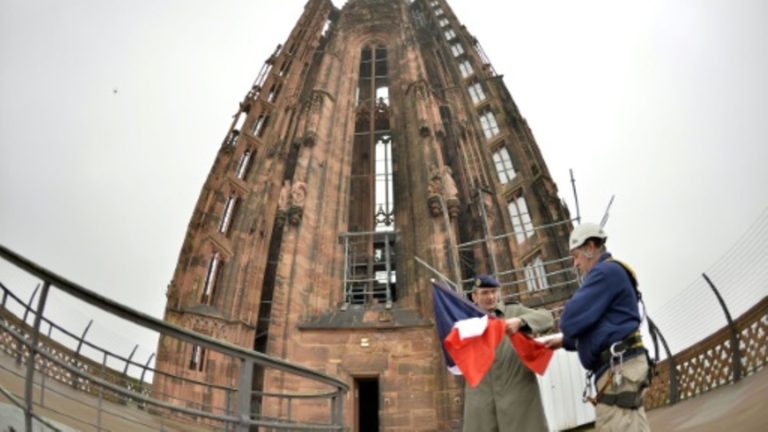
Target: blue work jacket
(602, 311)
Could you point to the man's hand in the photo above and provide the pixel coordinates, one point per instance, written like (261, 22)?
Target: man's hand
(554, 342)
(513, 325)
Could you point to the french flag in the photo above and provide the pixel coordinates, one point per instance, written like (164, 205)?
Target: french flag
(470, 337)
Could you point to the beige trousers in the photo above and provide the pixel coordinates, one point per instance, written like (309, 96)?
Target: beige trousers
(614, 419)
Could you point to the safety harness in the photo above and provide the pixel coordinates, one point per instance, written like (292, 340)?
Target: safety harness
(631, 346)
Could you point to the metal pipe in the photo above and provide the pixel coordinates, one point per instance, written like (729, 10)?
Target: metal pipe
(101, 392)
(146, 366)
(128, 362)
(674, 395)
(82, 338)
(31, 359)
(244, 392)
(156, 324)
(29, 303)
(735, 350)
(442, 277)
(575, 196)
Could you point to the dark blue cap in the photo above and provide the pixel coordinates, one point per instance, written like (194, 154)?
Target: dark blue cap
(486, 281)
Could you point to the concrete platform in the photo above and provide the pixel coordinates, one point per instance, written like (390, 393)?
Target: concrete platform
(740, 407)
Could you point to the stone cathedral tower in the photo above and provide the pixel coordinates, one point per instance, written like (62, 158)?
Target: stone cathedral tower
(376, 150)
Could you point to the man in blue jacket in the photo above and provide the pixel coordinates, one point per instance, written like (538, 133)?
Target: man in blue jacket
(601, 321)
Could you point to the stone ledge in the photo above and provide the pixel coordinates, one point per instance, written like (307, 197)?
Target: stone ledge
(366, 317)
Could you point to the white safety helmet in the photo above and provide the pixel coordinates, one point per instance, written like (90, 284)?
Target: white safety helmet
(584, 232)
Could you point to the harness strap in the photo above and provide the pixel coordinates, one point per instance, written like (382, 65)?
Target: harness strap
(626, 400)
(600, 392)
(633, 342)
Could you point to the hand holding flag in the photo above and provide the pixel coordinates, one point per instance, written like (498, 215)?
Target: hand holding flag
(470, 338)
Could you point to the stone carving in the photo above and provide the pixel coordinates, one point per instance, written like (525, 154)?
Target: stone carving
(423, 129)
(310, 138)
(298, 195)
(441, 184)
(449, 186)
(285, 196)
(283, 202)
(317, 101)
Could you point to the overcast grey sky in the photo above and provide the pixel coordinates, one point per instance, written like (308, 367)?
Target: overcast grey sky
(662, 103)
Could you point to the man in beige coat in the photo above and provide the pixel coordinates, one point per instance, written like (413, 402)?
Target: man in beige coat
(508, 398)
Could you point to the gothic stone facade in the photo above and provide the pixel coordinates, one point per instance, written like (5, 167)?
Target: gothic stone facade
(378, 135)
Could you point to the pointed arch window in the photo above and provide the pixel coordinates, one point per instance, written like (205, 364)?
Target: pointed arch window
(209, 289)
(260, 125)
(504, 167)
(197, 358)
(274, 91)
(243, 165)
(370, 242)
(466, 69)
(457, 49)
(476, 92)
(536, 274)
(521, 219)
(489, 124)
(226, 215)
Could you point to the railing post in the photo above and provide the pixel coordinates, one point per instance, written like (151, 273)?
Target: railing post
(144, 372)
(29, 304)
(76, 358)
(674, 395)
(388, 264)
(244, 390)
(20, 354)
(31, 359)
(347, 295)
(735, 350)
(337, 411)
(228, 407)
(44, 374)
(101, 391)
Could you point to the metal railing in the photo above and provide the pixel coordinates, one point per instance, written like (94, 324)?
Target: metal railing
(41, 355)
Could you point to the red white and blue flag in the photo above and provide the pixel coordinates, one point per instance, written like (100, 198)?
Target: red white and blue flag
(470, 337)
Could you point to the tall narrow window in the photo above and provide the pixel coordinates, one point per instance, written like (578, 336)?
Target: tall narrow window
(488, 122)
(457, 49)
(197, 359)
(521, 219)
(285, 67)
(209, 289)
(243, 165)
(370, 244)
(504, 167)
(273, 92)
(476, 93)
(536, 275)
(439, 11)
(449, 34)
(442, 22)
(226, 216)
(466, 69)
(258, 126)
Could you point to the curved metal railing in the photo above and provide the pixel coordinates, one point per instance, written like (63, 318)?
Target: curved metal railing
(42, 353)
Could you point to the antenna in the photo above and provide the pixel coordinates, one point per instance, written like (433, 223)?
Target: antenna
(607, 210)
(575, 197)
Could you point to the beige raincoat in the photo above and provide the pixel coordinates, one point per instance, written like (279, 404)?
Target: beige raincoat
(508, 398)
